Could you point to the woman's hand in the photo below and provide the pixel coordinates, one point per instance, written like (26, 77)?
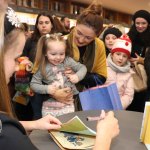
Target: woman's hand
(138, 59)
(64, 95)
(107, 129)
(108, 125)
(51, 89)
(46, 123)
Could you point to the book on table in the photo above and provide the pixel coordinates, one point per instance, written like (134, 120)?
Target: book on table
(145, 129)
(74, 134)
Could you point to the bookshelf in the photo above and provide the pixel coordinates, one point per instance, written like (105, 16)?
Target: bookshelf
(67, 8)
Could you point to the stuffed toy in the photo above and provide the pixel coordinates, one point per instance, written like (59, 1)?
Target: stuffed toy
(22, 81)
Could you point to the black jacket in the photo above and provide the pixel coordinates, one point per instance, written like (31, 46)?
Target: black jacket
(30, 49)
(13, 135)
(147, 66)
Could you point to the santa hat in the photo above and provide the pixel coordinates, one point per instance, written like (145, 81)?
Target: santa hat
(122, 44)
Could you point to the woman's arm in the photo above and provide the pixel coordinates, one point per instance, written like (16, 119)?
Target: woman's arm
(46, 123)
(107, 129)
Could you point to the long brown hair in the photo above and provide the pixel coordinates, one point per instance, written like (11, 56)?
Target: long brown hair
(8, 41)
(5, 105)
(91, 17)
(36, 34)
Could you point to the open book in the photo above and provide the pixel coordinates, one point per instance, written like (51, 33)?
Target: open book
(74, 134)
(145, 130)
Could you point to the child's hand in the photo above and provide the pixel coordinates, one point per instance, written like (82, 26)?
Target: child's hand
(73, 78)
(68, 71)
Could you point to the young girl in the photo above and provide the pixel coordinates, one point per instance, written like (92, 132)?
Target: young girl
(109, 37)
(118, 67)
(50, 65)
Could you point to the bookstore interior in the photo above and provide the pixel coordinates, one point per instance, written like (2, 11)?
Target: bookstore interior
(27, 11)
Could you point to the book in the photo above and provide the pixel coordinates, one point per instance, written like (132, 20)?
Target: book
(74, 134)
(145, 129)
(104, 97)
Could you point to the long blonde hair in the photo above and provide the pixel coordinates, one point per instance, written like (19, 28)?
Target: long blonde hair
(42, 46)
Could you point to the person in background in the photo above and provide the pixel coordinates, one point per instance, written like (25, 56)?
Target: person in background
(119, 71)
(109, 37)
(11, 48)
(87, 49)
(139, 34)
(27, 30)
(50, 63)
(59, 28)
(44, 25)
(65, 21)
(147, 69)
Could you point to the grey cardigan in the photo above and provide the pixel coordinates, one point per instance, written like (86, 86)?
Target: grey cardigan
(40, 85)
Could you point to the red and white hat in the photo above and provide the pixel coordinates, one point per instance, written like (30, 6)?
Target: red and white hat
(122, 44)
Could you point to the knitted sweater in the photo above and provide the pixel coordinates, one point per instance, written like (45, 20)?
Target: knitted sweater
(56, 77)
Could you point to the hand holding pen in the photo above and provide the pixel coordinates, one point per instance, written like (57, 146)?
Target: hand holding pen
(96, 118)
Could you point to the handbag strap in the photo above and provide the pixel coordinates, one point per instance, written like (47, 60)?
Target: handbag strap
(97, 80)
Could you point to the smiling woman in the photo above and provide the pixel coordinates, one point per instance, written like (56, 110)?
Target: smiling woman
(86, 47)
(139, 34)
(84, 35)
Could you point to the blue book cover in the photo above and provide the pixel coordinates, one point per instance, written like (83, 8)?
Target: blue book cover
(102, 97)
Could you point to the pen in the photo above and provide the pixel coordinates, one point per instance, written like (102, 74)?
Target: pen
(95, 118)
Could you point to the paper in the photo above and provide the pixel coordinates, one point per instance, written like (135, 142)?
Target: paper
(74, 134)
(145, 130)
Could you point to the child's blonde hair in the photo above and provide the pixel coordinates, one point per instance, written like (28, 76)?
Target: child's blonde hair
(42, 46)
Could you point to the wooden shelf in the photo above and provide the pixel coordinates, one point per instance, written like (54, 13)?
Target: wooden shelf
(67, 8)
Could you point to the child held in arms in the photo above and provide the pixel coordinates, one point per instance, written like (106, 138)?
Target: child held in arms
(52, 60)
